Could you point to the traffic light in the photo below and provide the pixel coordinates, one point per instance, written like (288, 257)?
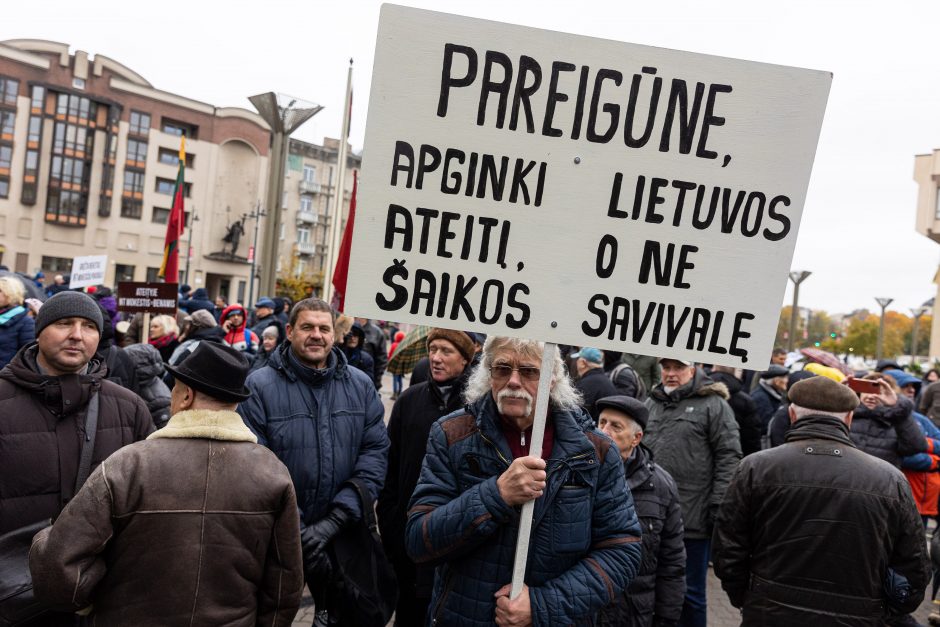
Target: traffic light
(832, 335)
(817, 344)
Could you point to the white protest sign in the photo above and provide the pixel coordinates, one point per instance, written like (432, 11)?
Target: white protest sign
(543, 185)
(88, 271)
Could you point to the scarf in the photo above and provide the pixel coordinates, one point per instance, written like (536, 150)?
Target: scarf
(163, 341)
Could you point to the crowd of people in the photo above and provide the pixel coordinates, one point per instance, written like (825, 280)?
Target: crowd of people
(202, 475)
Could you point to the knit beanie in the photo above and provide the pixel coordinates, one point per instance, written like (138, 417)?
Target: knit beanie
(459, 339)
(68, 305)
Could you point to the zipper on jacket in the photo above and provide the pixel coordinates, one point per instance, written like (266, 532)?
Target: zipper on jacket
(451, 577)
(495, 448)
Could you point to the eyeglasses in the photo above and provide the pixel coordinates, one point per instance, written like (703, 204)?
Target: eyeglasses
(500, 372)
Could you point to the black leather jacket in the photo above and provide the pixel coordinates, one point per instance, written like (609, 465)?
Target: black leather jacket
(808, 531)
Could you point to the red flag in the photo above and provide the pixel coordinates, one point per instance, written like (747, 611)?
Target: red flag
(169, 269)
(341, 273)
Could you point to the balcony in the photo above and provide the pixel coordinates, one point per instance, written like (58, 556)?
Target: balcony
(306, 248)
(308, 217)
(309, 187)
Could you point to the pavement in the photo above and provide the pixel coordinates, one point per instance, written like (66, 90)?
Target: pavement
(720, 611)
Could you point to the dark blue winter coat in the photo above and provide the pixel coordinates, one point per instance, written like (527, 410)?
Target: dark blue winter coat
(199, 300)
(17, 329)
(325, 429)
(585, 546)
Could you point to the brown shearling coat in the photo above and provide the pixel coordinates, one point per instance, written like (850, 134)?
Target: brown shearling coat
(196, 526)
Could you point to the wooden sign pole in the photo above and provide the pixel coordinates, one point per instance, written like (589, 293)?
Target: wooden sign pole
(535, 450)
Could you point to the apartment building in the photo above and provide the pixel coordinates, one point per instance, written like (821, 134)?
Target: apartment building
(309, 196)
(88, 161)
(927, 177)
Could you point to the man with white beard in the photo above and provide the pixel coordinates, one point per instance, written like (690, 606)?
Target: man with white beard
(464, 514)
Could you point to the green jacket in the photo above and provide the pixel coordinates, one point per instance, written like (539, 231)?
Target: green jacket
(694, 436)
(646, 367)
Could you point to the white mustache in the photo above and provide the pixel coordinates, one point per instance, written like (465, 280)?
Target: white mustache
(520, 394)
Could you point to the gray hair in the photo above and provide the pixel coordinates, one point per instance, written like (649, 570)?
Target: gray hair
(802, 412)
(270, 331)
(563, 394)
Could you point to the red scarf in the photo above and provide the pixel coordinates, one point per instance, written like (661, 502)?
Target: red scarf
(163, 340)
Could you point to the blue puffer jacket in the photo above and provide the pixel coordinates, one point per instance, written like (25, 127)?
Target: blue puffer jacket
(17, 329)
(584, 547)
(326, 429)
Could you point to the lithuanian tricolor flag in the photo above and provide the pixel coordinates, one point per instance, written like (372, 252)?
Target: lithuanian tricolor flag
(169, 269)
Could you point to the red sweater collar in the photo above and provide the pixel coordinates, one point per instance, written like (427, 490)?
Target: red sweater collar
(519, 440)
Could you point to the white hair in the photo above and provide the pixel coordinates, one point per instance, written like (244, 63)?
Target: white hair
(802, 412)
(563, 394)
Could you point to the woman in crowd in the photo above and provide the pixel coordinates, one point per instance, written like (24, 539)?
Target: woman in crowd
(16, 326)
(164, 336)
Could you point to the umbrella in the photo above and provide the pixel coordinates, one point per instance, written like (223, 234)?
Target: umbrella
(825, 358)
(410, 351)
(32, 290)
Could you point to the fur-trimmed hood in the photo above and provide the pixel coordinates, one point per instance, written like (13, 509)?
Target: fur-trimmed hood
(206, 424)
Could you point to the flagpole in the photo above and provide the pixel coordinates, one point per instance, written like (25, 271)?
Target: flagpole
(339, 193)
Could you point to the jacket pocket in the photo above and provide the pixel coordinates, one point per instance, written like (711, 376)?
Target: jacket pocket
(571, 520)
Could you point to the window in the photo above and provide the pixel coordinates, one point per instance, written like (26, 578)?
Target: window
(133, 181)
(123, 272)
(6, 157)
(283, 231)
(938, 203)
(35, 102)
(8, 90)
(303, 236)
(131, 208)
(310, 174)
(166, 186)
(57, 264)
(7, 120)
(139, 123)
(35, 129)
(152, 274)
(66, 206)
(69, 172)
(171, 157)
(306, 203)
(175, 127)
(136, 152)
(4, 187)
(162, 216)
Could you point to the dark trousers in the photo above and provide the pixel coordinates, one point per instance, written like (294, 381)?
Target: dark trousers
(696, 575)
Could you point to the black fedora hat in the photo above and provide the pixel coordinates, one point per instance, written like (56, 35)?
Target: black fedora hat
(216, 370)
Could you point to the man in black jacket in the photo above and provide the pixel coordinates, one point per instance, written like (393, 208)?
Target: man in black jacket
(656, 595)
(745, 412)
(418, 407)
(592, 382)
(816, 532)
(377, 346)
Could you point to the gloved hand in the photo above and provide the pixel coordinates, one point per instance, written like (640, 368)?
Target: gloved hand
(314, 538)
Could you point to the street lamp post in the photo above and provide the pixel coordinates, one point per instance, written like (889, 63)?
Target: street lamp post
(284, 115)
(189, 247)
(257, 214)
(883, 302)
(918, 312)
(797, 276)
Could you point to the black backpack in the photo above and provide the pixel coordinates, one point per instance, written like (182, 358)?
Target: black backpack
(363, 590)
(640, 387)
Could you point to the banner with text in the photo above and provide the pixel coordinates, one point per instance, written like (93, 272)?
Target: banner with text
(582, 191)
(153, 298)
(88, 271)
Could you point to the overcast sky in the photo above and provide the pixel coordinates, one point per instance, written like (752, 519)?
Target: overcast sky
(857, 234)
